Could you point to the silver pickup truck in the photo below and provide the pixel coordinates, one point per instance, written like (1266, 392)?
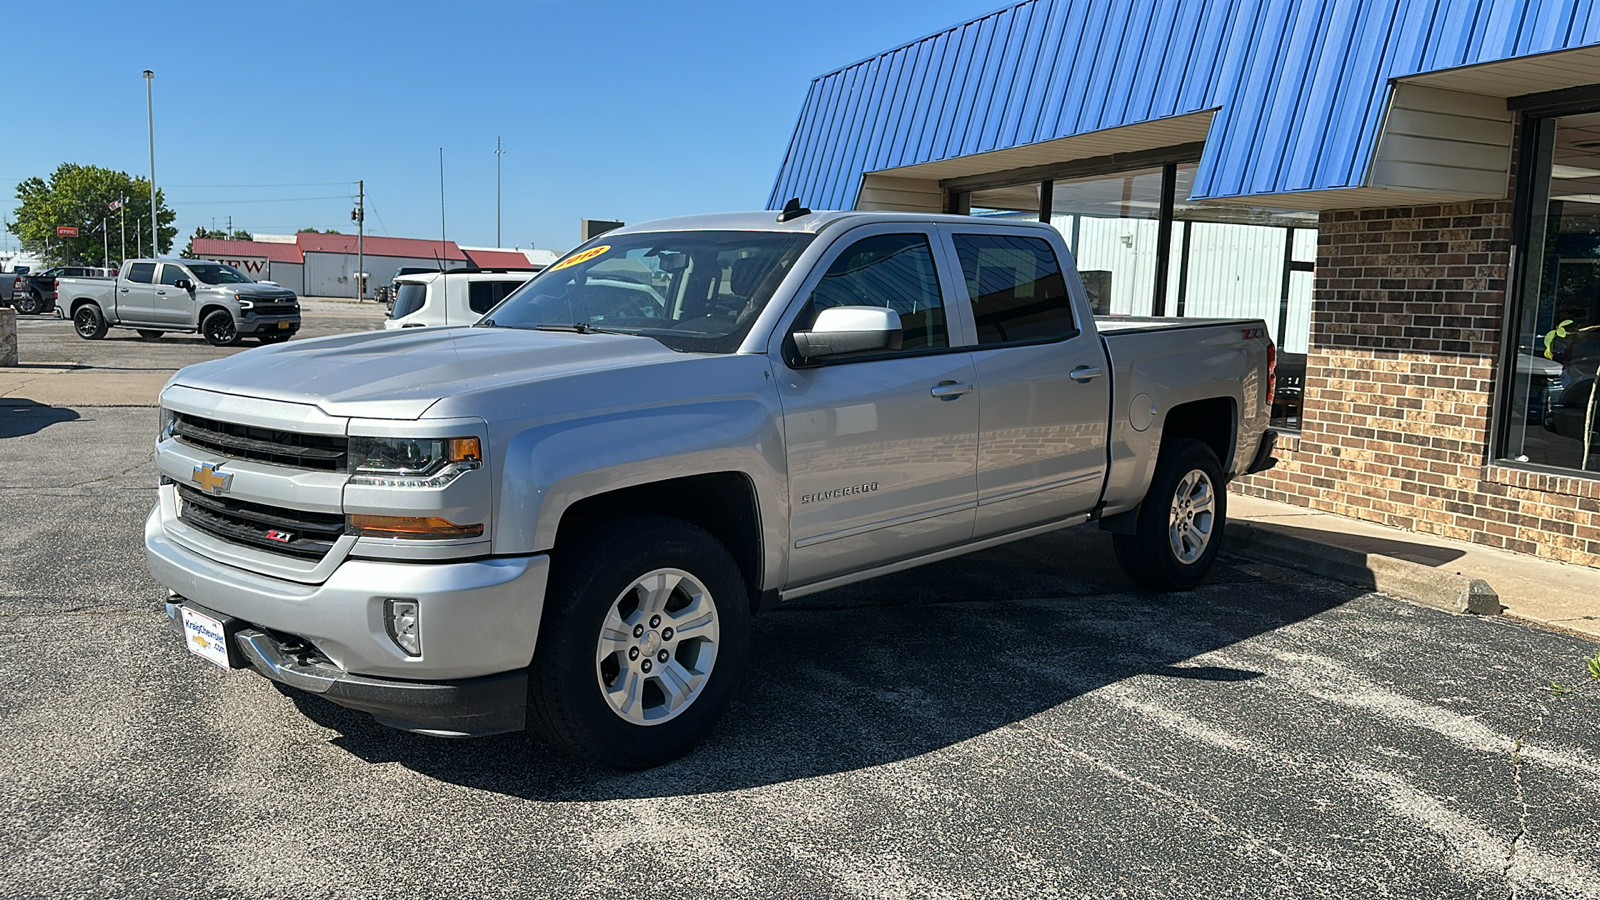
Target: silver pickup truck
(155, 296)
(566, 514)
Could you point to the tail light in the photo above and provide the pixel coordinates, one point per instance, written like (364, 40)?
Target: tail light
(1272, 374)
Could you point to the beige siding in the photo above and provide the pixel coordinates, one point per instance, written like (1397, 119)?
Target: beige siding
(900, 194)
(1444, 142)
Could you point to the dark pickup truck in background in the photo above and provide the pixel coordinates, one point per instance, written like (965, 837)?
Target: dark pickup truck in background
(31, 294)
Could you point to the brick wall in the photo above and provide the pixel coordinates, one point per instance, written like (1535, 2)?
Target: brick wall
(1405, 330)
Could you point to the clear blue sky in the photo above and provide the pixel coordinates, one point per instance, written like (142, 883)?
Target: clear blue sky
(606, 108)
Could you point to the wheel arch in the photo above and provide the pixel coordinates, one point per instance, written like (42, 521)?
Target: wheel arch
(1213, 421)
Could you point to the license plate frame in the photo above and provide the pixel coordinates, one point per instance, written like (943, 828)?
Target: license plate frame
(207, 637)
(283, 325)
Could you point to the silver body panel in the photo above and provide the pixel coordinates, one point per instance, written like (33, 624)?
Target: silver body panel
(856, 468)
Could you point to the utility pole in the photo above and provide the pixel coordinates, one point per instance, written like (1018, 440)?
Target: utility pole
(230, 227)
(359, 214)
(150, 114)
(122, 219)
(497, 154)
(105, 241)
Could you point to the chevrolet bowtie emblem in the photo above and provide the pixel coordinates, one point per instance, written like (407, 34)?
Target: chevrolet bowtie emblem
(210, 479)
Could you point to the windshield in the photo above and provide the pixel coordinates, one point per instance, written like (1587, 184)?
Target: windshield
(217, 273)
(690, 290)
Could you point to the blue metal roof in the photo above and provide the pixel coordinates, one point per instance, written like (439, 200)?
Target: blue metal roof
(1298, 85)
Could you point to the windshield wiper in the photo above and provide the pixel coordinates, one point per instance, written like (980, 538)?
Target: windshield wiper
(577, 328)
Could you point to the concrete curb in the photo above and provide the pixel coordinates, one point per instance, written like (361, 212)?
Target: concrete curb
(1398, 578)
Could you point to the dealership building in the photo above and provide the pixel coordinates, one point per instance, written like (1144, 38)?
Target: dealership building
(1407, 192)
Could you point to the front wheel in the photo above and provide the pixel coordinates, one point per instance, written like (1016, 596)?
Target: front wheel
(219, 329)
(89, 322)
(30, 305)
(642, 645)
(1179, 531)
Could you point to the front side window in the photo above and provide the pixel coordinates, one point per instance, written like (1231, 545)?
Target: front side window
(170, 274)
(1551, 411)
(142, 273)
(889, 270)
(694, 291)
(1016, 288)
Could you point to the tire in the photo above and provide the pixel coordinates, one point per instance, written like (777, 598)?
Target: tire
(146, 334)
(219, 329)
(589, 692)
(89, 322)
(30, 304)
(1181, 521)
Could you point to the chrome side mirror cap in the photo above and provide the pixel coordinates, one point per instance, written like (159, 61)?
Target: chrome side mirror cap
(849, 329)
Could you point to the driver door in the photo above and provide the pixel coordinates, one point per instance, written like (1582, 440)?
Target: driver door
(882, 447)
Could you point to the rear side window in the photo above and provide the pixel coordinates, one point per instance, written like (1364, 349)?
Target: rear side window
(1016, 288)
(891, 270)
(409, 299)
(142, 273)
(483, 296)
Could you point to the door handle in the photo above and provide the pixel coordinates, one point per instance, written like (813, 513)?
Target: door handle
(124, 290)
(162, 293)
(950, 390)
(1084, 374)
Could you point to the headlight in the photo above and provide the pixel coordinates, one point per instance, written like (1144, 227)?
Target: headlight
(166, 421)
(412, 462)
(246, 304)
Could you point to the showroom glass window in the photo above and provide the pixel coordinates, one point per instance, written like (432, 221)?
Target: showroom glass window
(1143, 248)
(1549, 417)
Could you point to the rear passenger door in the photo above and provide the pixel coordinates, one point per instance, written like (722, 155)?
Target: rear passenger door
(136, 295)
(882, 446)
(1043, 382)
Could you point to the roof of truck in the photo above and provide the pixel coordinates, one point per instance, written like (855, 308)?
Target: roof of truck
(813, 222)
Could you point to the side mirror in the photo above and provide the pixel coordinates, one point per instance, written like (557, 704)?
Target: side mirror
(183, 284)
(849, 329)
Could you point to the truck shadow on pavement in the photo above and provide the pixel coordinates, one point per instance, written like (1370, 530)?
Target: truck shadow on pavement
(19, 418)
(900, 666)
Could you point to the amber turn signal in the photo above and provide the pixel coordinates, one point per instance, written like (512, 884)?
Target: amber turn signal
(424, 527)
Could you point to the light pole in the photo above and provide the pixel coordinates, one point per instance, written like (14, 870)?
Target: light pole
(150, 114)
(497, 154)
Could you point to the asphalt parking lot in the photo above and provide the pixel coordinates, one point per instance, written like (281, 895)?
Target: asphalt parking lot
(1017, 723)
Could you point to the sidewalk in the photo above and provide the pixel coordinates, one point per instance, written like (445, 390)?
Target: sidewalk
(1421, 568)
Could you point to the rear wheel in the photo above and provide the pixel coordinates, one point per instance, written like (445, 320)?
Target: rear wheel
(89, 322)
(148, 335)
(1181, 521)
(30, 304)
(219, 329)
(643, 643)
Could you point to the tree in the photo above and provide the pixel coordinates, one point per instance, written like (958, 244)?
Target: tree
(82, 196)
(200, 231)
(315, 231)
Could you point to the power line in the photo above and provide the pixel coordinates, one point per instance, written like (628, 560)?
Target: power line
(281, 184)
(258, 200)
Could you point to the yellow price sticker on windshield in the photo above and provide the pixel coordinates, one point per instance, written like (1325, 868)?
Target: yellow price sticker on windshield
(583, 257)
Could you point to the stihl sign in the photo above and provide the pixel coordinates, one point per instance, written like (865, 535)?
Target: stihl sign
(66, 231)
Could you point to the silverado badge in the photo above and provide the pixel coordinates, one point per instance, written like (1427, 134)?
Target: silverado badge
(211, 479)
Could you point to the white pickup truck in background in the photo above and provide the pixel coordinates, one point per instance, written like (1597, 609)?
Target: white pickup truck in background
(567, 514)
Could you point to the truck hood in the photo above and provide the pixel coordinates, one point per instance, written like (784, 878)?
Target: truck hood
(398, 375)
(254, 291)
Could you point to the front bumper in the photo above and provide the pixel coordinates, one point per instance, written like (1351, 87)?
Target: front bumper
(476, 618)
(464, 707)
(254, 324)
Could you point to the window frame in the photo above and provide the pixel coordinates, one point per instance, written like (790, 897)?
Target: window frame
(958, 328)
(1535, 112)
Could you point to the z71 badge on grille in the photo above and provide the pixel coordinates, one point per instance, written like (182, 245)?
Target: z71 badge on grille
(211, 479)
(282, 537)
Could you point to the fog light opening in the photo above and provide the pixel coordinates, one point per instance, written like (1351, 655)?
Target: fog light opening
(403, 619)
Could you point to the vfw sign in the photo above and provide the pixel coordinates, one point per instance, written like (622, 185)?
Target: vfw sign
(254, 266)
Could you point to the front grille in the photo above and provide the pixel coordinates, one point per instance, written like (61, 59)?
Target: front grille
(269, 445)
(310, 534)
(275, 309)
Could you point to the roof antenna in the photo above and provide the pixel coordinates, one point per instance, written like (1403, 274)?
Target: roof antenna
(793, 210)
